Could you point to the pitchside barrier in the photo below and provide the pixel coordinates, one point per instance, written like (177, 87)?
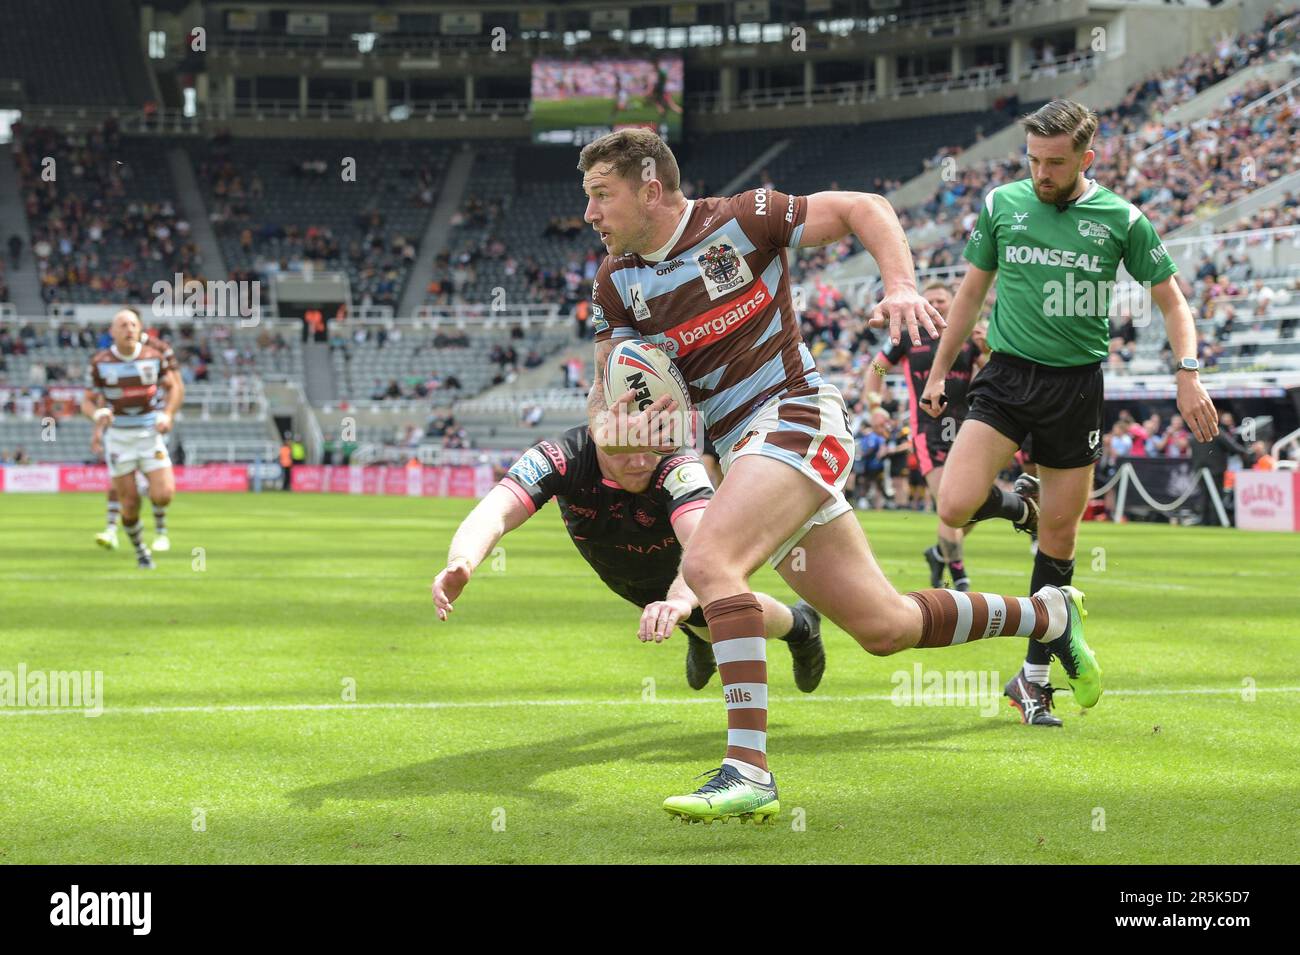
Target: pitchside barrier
(473, 481)
(1262, 500)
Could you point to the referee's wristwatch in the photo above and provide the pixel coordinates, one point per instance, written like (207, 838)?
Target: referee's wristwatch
(1188, 364)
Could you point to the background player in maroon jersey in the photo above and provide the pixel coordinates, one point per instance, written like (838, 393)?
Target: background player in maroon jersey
(134, 390)
(933, 437)
(707, 281)
(629, 515)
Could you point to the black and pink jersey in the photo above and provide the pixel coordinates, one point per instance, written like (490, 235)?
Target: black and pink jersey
(628, 539)
(917, 361)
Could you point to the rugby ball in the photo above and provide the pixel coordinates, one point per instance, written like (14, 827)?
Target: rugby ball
(636, 365)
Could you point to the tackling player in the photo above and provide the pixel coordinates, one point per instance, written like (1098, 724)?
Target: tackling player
(931, 438)
(132, 394)
(707, 281)
(1054, 242)
(629, 515)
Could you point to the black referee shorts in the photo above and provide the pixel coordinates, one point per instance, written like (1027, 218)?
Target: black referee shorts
(1060, 409)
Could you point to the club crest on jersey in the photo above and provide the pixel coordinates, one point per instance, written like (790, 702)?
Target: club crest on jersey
(642, 518)
(722, 267)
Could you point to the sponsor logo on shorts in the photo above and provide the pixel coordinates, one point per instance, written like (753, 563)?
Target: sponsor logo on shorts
(1093, 438)
(716, 324)
(159, 455)
(829, 460)
(742, 442)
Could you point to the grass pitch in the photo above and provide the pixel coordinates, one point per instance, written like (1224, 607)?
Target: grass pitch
(533, 727)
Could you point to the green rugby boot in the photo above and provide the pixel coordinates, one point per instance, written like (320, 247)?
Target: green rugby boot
(727, 795)
(1081, 667)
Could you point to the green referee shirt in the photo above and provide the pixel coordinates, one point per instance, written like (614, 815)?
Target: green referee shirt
(1056, 269)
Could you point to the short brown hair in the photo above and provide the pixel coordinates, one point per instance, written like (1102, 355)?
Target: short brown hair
(1063, 117)
(936, 283)
(627, 150)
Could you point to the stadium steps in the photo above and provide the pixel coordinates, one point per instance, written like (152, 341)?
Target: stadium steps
(190, 200)
(755, 168)
(125, 33)
(438, 233)
(318, 373)
(24, 282)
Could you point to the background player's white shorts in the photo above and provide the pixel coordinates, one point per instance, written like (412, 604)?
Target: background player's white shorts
(811, 434)
(131, 449)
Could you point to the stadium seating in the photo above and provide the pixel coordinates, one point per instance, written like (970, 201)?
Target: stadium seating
(107, 223)
(418, 358)
(277, 204)
(74, 34)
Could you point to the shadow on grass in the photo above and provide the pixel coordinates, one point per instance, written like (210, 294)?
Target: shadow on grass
(515, 771)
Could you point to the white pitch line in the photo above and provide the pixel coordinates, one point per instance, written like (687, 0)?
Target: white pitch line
(504, 704)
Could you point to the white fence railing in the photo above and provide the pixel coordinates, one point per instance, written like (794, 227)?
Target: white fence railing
(203, 451)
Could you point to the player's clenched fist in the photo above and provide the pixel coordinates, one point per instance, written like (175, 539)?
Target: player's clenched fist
(659, 618)
(447, 586)
(933, 399)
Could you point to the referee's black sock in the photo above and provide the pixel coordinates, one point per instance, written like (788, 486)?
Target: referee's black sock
(799, 628)
(1048, 572)
(1001, 503)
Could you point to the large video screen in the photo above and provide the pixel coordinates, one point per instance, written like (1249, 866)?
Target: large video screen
(576, 102)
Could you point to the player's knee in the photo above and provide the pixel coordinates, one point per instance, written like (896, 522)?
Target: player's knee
(161, 498)
(707, 574)
(955, 513)
(881, 634)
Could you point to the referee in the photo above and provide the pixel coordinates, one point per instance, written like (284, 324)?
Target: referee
(1054, 242)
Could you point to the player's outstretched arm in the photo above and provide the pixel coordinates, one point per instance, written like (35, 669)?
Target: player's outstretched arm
(833, 215)
(962, 316)
(496, 515)
(1194, 402)
(659, 618)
